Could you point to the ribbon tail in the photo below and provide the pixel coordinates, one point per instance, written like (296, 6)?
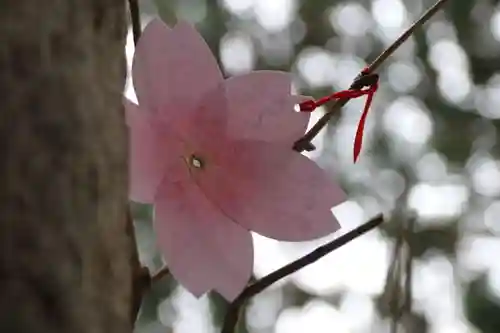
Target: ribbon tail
(358, 140)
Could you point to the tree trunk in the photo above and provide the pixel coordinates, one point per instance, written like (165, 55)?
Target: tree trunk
(64, 252)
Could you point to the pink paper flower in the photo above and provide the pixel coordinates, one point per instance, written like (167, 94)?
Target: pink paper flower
(214, 157)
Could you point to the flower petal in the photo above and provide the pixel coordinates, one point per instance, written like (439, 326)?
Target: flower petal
(154, 152)
(206, 125)
(173, 69)
(203, 248)
(273, 190)
(149, 66)
(261, 107)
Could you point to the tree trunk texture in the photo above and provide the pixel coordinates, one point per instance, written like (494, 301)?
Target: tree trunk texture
(64, 251)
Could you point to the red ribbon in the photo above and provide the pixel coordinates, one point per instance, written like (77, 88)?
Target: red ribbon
(311, 105)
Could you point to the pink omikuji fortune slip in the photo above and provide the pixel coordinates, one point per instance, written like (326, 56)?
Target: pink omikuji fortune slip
(214, 157)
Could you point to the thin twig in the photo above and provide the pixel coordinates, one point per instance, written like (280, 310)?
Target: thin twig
(255, 288)
(135, 16)
(304, 143)
(140, 275)
(160, 274)
(394, 286)
(392, 272)
(141, 279)
(399, 290)
(409, 234)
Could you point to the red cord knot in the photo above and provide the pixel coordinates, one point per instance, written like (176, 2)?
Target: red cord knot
(365, 84)
(372, 80)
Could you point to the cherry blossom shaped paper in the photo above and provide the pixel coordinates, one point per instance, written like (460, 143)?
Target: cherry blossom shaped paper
(214, 157)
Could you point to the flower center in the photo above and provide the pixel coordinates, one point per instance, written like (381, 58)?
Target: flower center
(196, 162)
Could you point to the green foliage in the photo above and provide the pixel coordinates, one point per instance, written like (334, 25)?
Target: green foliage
(166, 10)
(142, 211)
(481, 307)
(218, 307)
(160, 291)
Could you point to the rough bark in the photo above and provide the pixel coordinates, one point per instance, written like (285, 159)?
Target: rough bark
(64, 253)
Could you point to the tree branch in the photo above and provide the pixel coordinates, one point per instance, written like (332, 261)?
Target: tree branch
(255, 288)
(141, 278)
(304, 143)
(135, 17)
(160, 274)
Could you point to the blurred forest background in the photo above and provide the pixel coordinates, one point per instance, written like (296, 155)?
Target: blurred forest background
(430, 162)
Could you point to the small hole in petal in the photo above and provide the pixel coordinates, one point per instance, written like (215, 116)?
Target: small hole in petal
(196, 162)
